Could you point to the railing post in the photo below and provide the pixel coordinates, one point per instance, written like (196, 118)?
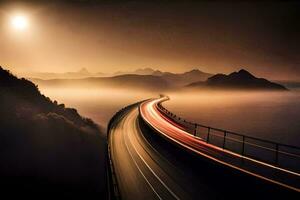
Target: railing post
(243, 149)
(195, 132)
(276, 153)
(208, 132)
(224, 140)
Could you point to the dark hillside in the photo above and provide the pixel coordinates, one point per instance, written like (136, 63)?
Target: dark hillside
(46, 148)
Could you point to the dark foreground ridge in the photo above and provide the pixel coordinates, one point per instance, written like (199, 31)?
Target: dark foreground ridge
(46, 148)
(238, 80)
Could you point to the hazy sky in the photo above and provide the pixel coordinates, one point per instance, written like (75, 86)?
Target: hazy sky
(105, 37)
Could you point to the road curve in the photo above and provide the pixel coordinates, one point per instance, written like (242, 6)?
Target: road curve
(149, 167)
(177, 134)
(135, 158)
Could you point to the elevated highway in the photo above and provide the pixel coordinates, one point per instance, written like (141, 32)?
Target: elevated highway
(153, 158)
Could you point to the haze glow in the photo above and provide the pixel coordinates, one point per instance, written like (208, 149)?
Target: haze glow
(168, 36)
(19, 22)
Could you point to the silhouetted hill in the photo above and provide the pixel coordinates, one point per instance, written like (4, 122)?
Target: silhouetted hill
(46, 147)
(238, 80)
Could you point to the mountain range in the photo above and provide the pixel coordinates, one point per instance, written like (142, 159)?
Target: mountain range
(174, 79)
(180, 78)
(147, 78)
(155, 80)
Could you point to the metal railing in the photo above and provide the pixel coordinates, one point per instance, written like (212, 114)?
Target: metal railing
(280, 155)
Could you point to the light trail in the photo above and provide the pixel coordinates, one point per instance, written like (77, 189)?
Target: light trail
(176, 133)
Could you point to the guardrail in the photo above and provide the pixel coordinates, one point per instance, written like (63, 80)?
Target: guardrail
(280, 155)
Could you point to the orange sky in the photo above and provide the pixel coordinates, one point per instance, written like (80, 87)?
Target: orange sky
(108, 37)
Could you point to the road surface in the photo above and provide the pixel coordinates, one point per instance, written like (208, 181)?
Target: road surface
(147, 166)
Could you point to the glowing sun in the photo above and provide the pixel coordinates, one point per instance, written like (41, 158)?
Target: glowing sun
(19, 22)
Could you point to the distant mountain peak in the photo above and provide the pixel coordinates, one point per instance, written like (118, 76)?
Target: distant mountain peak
(157, 73)
(243, 71)
(195, 70)
(83, 71)
(146, 69)
(242, 74)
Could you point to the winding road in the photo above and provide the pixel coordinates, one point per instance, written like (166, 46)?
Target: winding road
(134, 156)
(149, 166)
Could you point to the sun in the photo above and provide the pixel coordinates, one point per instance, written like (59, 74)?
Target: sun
(19, 22)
